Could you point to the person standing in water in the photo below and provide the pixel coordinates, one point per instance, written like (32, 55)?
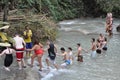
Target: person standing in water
(28, 40)
(38, 52)
(8, 57)
(93, 48)
(104, 47)
(20, 47)
(79, 53)
(99, 46)
(65, 57)
(109, 22)
(101, 39)
(70, 53)
(52, 50)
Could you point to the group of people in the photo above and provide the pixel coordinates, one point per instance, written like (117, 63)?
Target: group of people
(24, 44)
(109, 22)
(19, 46)
(98, 45)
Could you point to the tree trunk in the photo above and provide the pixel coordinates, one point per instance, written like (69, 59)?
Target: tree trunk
(5, 15)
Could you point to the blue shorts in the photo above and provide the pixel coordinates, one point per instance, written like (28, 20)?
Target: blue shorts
(29, 45)
(67, 62)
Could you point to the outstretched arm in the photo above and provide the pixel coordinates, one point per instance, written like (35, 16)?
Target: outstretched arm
(33, 48)
(2, 53)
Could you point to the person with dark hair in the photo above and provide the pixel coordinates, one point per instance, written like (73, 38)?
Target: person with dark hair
(20, 47)
(98, 46)
(52, 50)
(104, 47)
(8, 57)
(79, 52)
(27, 37)
(70, 53)
(65, 57)
(93, 48)
(38, 52)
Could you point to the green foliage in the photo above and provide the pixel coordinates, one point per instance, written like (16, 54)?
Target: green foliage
(67, 9)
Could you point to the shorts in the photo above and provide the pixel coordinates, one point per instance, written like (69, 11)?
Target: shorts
(29, 45)
(93, 54)
(104, 48)
(98, 51)
(80, 58)
(19, 54)
(67, 62)
(51, 61)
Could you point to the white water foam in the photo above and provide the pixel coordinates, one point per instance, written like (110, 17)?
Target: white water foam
(82, 23)
(66, 29)
(47, 74)
(68, 23)
(54, 72)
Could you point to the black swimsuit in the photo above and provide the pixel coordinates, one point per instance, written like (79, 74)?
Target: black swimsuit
(51, 51)
(8, 60)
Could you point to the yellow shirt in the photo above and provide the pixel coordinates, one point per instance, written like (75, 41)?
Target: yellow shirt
(29, 34)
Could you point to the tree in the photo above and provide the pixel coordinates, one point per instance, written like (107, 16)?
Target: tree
(6, 9)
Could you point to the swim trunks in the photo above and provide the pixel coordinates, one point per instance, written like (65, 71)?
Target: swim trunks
(39, 51)
(19, 54)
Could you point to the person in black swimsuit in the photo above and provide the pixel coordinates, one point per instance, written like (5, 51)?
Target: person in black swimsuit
(8, 57)
(52, 50)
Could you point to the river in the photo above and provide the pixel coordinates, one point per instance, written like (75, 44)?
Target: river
(105, 66)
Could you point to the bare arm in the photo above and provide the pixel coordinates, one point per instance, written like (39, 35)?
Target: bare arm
(33, 48)
(55, 48)
(62, 54)
(2, 53)
(84, 50)
(24, 43)
(41, 45)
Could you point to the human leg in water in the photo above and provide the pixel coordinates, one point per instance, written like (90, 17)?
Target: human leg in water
(40, 61)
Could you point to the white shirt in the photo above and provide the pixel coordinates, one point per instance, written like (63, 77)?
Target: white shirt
(19, 41)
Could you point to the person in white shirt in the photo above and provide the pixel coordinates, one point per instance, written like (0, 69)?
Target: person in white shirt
(19, 46)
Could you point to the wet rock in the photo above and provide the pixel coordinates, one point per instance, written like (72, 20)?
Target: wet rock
(16, 74)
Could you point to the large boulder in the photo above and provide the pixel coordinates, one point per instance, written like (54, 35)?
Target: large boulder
(118, 28)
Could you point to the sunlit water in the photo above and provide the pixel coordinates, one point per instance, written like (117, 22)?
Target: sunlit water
(105, 66)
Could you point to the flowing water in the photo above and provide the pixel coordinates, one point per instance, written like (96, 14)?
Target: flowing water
(105, 66)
